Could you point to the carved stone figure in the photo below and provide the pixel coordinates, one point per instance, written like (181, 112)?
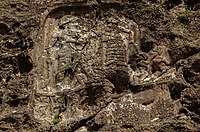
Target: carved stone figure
(86, 54)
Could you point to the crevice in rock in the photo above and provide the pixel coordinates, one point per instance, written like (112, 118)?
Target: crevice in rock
(25, 63)
(137, 89)
(92, 93)
(152, 28)
(4, 29)
(153, 1)
(13, 5)
(194, 108)
(176, 89)
(126, 126)
(190, 76)
(11, 122)
(190, 101)
(184, 19)
(93, 126)
(8, 78)
(148, 102)
(22, 43)
(170, 36)
(119, 79)
(4, 129)
(175, 127)
(169, 4)
(84, 122)
(196, 119)
(79, 10)
(192, 4)
(196, 66)
(14, 101)
(16, 25)
(69, 73)
(146, 46)
(66, 10)
(184, 111)
(184, 52)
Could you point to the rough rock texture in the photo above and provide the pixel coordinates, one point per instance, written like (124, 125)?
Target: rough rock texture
(100, 65)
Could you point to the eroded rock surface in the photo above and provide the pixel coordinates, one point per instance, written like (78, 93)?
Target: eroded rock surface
(81, 65)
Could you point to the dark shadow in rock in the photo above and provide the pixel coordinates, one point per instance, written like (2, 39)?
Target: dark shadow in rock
(146, 46)
(79, 10)
(92, 93)
(8, 78)
(27, 120)
(81, 123)
(183, 111)
(93, 126)
(137, 89)
(4, 129)
(25, 63)
(190, 100)
(153, 1)
(196, 118)
(176, 89)
(190, 76)
(192, 4)
(66, 10)
(13, 101)
(182, 53)
(119, 79)
(69, 73)
(195, 107)
(126, 126)
(152, 28)
(24, 101)
(196, 66)
(62, 27)
(13, 5)
(4, 29)
(132, 62)
(169, 4)
(11, 121)
(170, 36)
(176, 127)
(16, 25)
(23, 43)
(9, 45)
(184, 19)
(18, 121)
(10, 62)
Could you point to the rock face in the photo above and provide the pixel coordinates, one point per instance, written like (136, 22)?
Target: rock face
(105, 65)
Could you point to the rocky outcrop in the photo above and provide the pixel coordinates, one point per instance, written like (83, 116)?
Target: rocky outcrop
(78, 65)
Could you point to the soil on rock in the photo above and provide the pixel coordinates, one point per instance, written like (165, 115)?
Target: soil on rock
(154, 89)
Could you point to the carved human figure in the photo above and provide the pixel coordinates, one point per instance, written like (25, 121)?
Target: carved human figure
(159, 57)
(81, 51)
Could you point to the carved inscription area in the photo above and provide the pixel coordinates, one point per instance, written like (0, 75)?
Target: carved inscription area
(90, 46)
(78, 49)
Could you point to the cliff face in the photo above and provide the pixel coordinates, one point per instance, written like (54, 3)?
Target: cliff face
(115, 65)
